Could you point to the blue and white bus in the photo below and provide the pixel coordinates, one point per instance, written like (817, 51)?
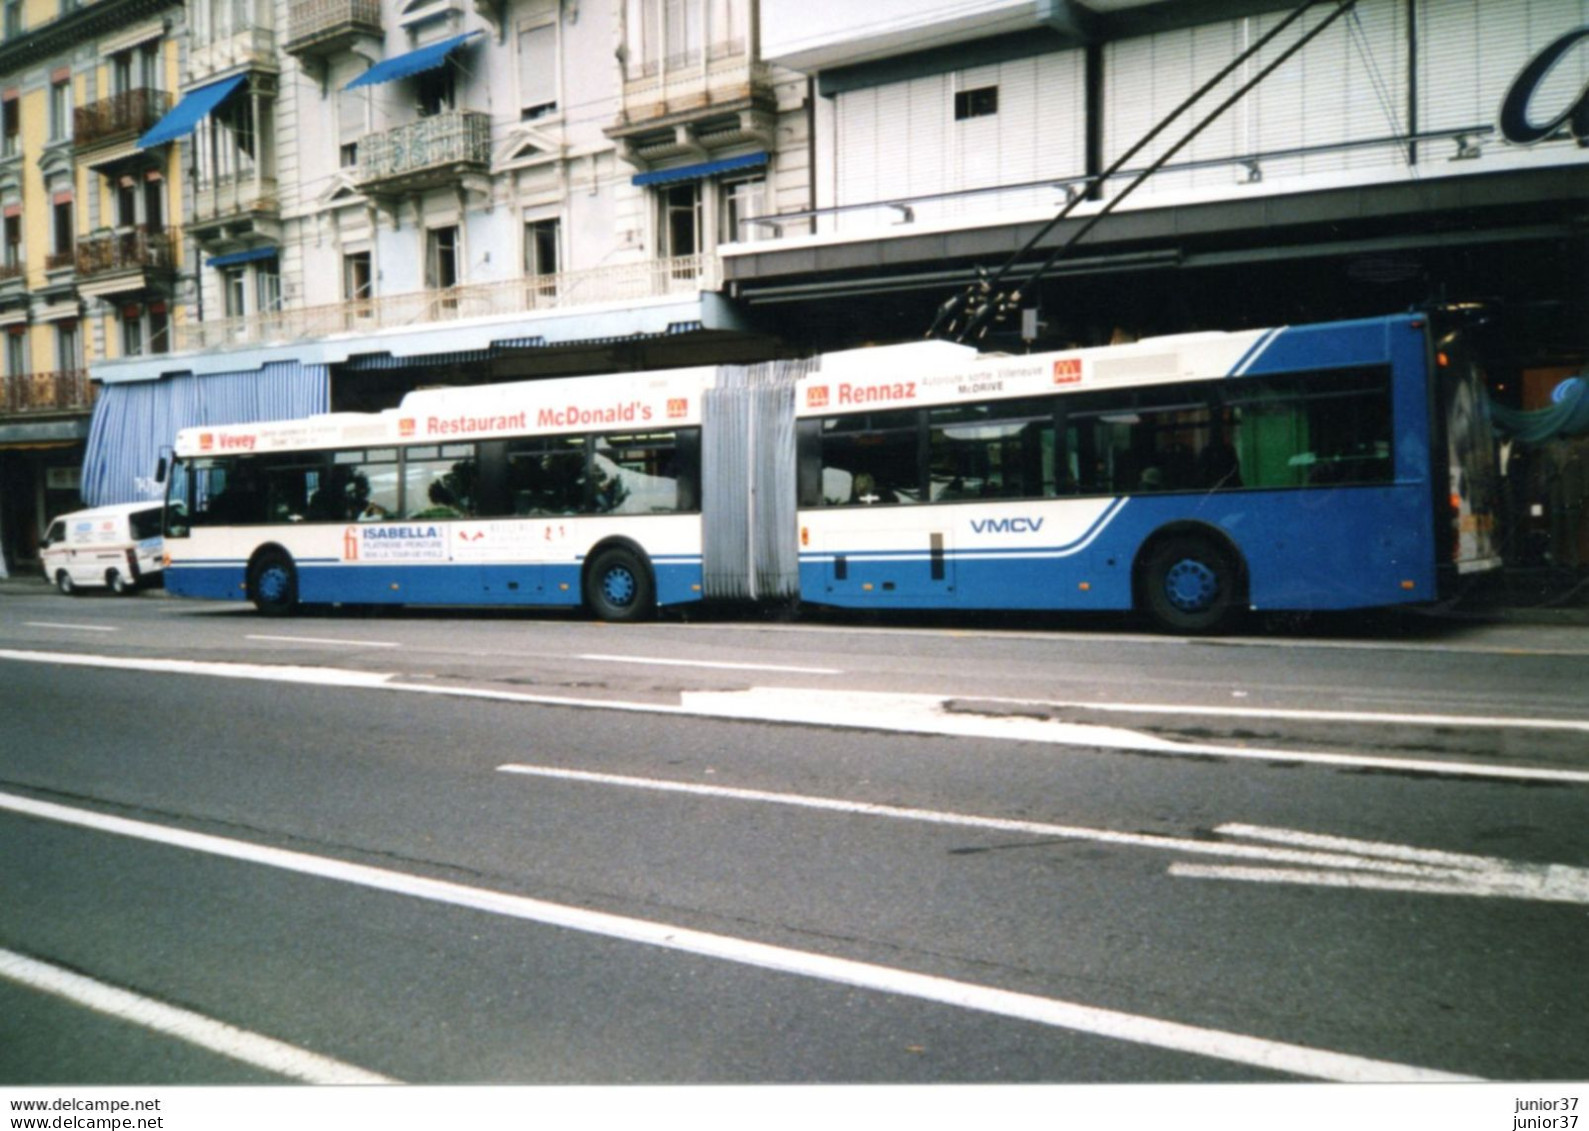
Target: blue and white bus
(1338, 466)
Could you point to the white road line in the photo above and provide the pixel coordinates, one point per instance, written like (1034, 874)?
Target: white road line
(1299, 715)
(185, 1025)
(710, 664)
(1275, 1056)
(822, 707)
(73, 627)
(1413, 869)
(324, 640)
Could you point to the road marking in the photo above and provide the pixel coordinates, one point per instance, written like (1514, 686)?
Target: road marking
(711, 664)
(324, 640)
(1379, 864)
(1299, 715)
(73, 627)
(871, 711)
(1374, 865)
(185, 1025)
(1275, 1056)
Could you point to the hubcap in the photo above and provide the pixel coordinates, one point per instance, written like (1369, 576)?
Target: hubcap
(273, 584)
(618, 585)
(1191, 586)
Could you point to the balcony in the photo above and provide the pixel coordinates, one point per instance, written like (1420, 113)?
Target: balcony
(13, 280)
(251, 47)
(613, 284)
(439, 150)
(233, 207)
(121, 117)
(66, 390)
(684, 88)
(318, 28)
(124, 262)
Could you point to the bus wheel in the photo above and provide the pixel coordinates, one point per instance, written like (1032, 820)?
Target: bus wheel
(1190, 585)
(273, 584)
(618, 586)
(63, 582)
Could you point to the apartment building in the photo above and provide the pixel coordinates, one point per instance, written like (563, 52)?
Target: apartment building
(88, 266)
(325, 203)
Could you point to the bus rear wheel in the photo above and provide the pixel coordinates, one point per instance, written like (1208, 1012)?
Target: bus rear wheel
(1190, 584)
(273, 584)
(618, 586)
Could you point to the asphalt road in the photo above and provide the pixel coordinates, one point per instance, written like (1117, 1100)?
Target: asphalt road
(820, 851)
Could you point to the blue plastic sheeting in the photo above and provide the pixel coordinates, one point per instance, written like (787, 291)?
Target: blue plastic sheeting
(135, 423)
(185, 116)
(1568, 416)
(249, 256)
(413, 63)
(705, 169)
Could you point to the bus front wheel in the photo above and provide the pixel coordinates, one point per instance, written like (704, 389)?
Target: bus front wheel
(273, 584)
(1191, 584)
(618, 586)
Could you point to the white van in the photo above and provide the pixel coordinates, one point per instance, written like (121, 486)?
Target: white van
(119, 546)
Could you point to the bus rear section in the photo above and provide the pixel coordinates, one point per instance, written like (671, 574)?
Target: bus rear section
(1189, 478)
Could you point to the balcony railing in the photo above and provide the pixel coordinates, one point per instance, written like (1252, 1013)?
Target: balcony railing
(234, 197)
(620, 283)
(245, 46)
(131, 112)
(61, 260)
(311, 23)
(435, 144)
(11, 272)
(693, 83)
(137, 249)
(67, 390)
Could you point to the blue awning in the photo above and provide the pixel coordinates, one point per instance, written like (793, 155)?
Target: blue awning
(415, 62)
(185, 116)
(695, 172)
(249, 256)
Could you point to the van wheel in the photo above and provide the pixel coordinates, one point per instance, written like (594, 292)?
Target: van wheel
(1190, 585)
(64, 582)
(119, 584)
(618, 586)
(273, 584)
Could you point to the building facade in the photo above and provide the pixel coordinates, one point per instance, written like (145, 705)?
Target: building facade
(325, 203)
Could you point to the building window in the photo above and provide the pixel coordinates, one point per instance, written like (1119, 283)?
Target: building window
(68, 348)
(742, 201)
(11, 114)
(267, 286)
(982, 102)
(13, 245)
(126, 202)
(16, 352)
(358, 284)
(234, 291)
(132, 331)
(159, 328)
(13, 18)
(61, 110)
(441, 258)
(671, 34)
(537, 72)
(437, 91)
(62, 226)
(154, 206)
(681, 220)
(353, 117)
(228, 141)
(540, 247)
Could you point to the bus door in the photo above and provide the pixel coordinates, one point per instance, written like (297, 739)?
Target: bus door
(1472, 474)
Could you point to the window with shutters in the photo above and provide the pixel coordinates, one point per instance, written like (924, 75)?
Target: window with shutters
(538, 78)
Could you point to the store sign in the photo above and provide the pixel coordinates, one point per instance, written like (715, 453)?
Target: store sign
(1515, 124)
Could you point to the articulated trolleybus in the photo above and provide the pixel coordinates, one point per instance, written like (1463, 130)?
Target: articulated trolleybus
(1338, 466)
